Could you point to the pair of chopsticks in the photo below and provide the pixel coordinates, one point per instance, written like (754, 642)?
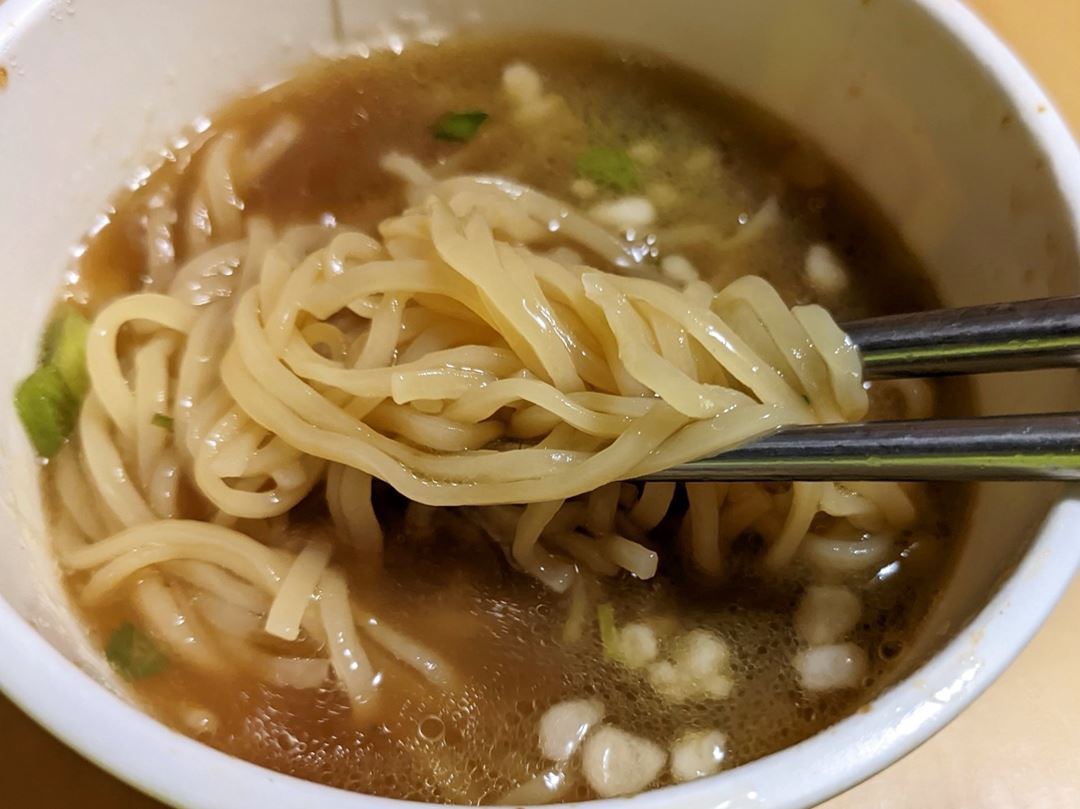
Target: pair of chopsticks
(1021, 336)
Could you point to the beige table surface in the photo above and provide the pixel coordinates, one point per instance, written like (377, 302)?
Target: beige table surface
(1017, 747)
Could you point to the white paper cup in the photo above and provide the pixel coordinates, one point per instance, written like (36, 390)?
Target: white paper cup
(932, 115)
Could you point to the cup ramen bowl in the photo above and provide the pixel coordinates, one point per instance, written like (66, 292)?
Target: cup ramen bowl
(916, 100)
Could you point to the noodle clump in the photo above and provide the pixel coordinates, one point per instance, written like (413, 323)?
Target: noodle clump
(492, 350)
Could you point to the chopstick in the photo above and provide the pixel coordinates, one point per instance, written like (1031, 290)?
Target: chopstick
(1020, 336)
(1042, 447)
(1025, 335)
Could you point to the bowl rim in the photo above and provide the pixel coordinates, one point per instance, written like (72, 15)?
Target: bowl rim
(130, 745)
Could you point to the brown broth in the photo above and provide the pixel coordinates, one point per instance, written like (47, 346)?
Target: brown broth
(499, 629)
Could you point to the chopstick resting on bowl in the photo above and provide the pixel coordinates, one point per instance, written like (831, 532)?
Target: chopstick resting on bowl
(1019, 336)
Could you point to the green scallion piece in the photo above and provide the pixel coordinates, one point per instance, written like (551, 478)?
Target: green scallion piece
(48, 400)
(609, 633)
(64, 347)
(47, 408)
(459, 126)
(133, 654)
(162, 421)
(610, 168)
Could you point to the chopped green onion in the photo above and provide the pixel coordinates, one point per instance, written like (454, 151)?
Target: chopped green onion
(611, 168)
(162, 421)
(48, 400)
(609, 633)
(49, 339)
(577, 613)
(64, 347)
(459, 126)
(47, 408)
(133, 654)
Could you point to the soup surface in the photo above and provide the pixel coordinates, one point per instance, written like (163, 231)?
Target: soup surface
(703, 188)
